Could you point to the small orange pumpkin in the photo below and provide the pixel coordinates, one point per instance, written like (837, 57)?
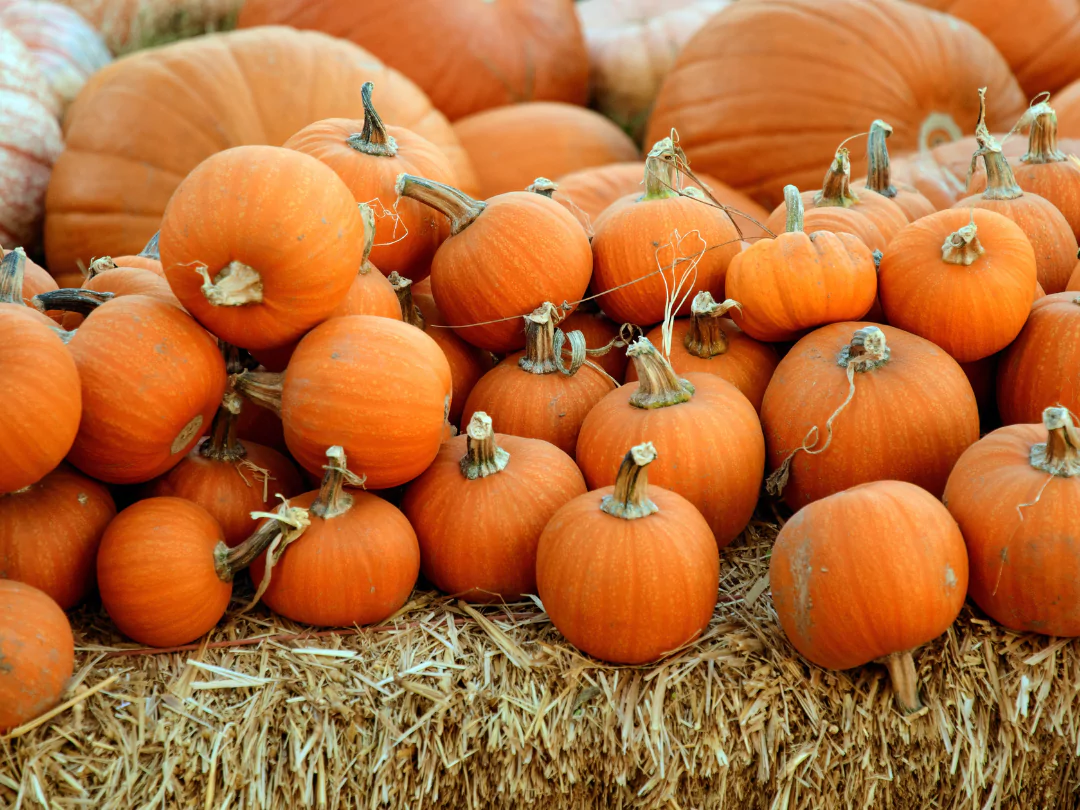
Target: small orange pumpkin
(149, 258)
(879, 176)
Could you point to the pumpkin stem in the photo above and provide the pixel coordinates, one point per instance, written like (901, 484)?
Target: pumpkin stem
(152, 251)
(867, 350)
(544, 344)
(12, 272)
(455, 205)
(661, 171)
(222, 444)
(410, 312)
(836, 189)
(793, 205)
(962, 246)
(483, 457)
(288, 523)
(630, 500)
(1042, 140)
(706, 337)
(905, 681)
(658, 387)
(1000, 182)
(1060, 454)
(99, 266)
(261, 387)
(879, 173)
(541, 185)
(332, 500)
(373, 139)
(367, 216)
(70, 300)
(235, 284)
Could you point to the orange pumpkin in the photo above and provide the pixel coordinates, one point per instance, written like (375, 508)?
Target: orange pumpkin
(960, 278)
(1015, 494)
(104, 276)
(39, 653)
(629, 572)
(879, 176)
(799, 280)
(853, 403)
(503, 258)
(709, 430)
(50, 531)
(149, 258)
(709, 343)
(869, 574)
(480, 507)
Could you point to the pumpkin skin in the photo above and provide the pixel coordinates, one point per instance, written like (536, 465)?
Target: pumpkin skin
(39, 653)
(29, 145)
(1039, 369)
(870, 441)
(505, 53)
(1017, 519)
(599, 330)
(879, 176)
(121, 281)
(799, 280)
(970, 310)
(49, 534)
(151, 381)
(870, 572)
(715, 449)
(108, 194)
(628, 590)
(40, 399)
(478, 514)
(149, 258)
(722, 93)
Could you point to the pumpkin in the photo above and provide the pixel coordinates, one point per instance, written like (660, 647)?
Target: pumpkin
(104, 276)
(368, 156)
(230, 478)
(480, 507)
(66, 47)
(149, 258)
(151, 381)
(961, 279)
(754, 94)
(503, 258)
(130, 25)
(708, 428)
(632, 46)
(1039, 369)
(39, 653)
(853, 402)
(708, 342)
(871, 217)
(511, 146)
(165, 573)
(628, 573)
(1066, 103)
(536, 394)
(658, 245)
(262, 426)
(503, 52)
(1015, 494)
(1046, 228)
(356, 563)
(1074, 281)
(798, 281)
(108, 194)
(30, 141)
(600, 332)
(378, 387)
(879, 176)
(869, 574)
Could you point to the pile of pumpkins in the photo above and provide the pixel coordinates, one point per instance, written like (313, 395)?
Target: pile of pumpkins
(354, 358)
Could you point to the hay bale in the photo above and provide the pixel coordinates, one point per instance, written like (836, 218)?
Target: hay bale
(451, 706)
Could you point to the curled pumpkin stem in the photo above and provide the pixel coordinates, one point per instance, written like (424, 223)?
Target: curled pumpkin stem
(1000, 182)
(288, 522)
(544, 344)
(70, 300)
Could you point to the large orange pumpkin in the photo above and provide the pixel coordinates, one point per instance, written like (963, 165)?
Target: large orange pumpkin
(868, 574)
(629, 572)
(765, 91)
(879, 176)
(176, 107)
(502, 52)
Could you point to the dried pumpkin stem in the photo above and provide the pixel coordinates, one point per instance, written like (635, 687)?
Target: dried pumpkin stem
(289, 522)
(1060, 454)
(410, 312)
(70, 300)
(836, 189)
(658, 386)
(260, 387)
(222, 444)
(1042, 140)
(879, 173)
(541, 185)
(1000, 182)
(235, 285)
(794, 207)
(457, 206)
(373, 139)
(905, 680)
(706, 337)
(12, 273)
(332, 499)
(661, 171)
(539, 357)
(152, 251)
(963, 246)
(630, 500)
(483, 456)
(99, 266)
(367, 216)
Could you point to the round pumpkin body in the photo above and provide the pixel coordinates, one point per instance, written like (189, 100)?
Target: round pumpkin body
(911, 415)
(156, 572)
(970, 297)
(1039, 369)
(478, 512)
(121, 281)
(50, 531)
(868, 572)
(151, 380)
(40, 399)
(39, 653)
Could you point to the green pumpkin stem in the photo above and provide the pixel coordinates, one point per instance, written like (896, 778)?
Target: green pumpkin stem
(836, 189)
(658, 387)
(1042, 140)
(410, 312)
(332, 499)
(905, 681)
(630, 500)
(794, 206)
(12, 274)
(70, 300)
(483, 456)
(879, 173)
(1060, 454)
(457, 206)
(1000, 182)
(963, 246)
(373, 139)
(263, 388)
(706, 337)
(288, 523)
(543, 186)
(661, 171)
(222, 444)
